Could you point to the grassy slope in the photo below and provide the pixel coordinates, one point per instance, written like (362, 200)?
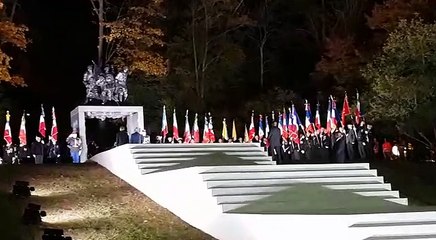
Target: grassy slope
(90, 203)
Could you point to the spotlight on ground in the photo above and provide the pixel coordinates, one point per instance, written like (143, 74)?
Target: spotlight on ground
(33, 215)
(54, 234)
(22, 189)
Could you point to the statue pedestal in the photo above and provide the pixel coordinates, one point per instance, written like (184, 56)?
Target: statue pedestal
(133, 114)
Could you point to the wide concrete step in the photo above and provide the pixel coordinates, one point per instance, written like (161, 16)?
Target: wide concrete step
(418, 236)
(229, 206)
(387, 194)
(192, 154)
(402, 201)
(253, 197)
(162, 160)
(155, 165)
(278, 182)
(274, 175)
(290, 167)
(196, 145)
(382, 187)
(192, 149)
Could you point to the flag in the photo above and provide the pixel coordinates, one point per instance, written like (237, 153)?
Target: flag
(23, 133)
(280, 124)
(7, 134)
(205, 130)
(261, 132)
(211, 132)
(42, 130)
(345, 111)
(54, 126)
(293, 127)
(224, 133)
(334, 121)
(285, 123)
(246, 138)
(234, 135)
(273, 117)
(266, 126)
(308, 121)
(164, 129)
(251, 130)
(187, 134)
(329, 119)
(317, 118)
(357, 112)
(196, 130)
(175, 127)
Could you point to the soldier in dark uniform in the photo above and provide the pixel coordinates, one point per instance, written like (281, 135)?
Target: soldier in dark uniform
(351, 141)
(53, 151)
(338, 143)
(361, 141)
(286, 151)
(274, 139)
(24, 154)
(325, 143)
(8, 154)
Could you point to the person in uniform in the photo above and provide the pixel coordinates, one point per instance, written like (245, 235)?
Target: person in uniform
(351, 141)
(38, 150)
(274, 139)
(338, 143)
(122, 137)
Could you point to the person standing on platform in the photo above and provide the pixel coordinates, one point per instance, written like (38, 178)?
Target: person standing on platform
(24, 154)
(75, 145)
(362, 141)
(274, 139)
(351, 140)
(136, 137)
(53, 150)
(8, 154)
(38, 150)
(122, 137)
(339, 147)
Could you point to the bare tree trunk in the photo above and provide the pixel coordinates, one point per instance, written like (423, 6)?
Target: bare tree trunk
(100, 31)
(14, 8)
(194, 49)
(262, 71)
(206, 48)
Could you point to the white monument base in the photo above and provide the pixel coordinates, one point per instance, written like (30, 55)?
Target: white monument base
(133, 114)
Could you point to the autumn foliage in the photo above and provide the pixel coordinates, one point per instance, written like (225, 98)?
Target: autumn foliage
(11, 36)
(138, 42)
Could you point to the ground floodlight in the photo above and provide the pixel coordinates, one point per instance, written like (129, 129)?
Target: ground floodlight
(32, 214)
(54, 234)
(22, 189)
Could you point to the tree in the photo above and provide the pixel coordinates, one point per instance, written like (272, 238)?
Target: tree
(402, 76)
(12, 37)
(137, 40)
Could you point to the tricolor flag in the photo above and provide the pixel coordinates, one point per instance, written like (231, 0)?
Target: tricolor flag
(164, 129)
(7, 134)
(205, 130)
(317, 118)
(234, 134)
(23, 133)
(266, 126)
(187, 134)
(224, 132)
(251, 130)
(357, 112)
(308, 121)
(345, 111)
(196, 130)
(261, 132)
(246, 138)
(285, 123)
(293, 128)
(42, 130)
(334, 121)
(329, 118)
(175, 127)
(54, 126)
(211, 132)
(280, 124)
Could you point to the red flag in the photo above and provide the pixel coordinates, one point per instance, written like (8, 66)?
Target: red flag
(175, 127)
(317, 118)
(187, 134)
(205, 130)
(196, 130)
(22, 136)
(7, 134)
(357, 112)
(211, 132)
(251, 130)
(54, 126)
(164, 129)
(345, 111)
(285, 124)
(329, 118)
(42, 130)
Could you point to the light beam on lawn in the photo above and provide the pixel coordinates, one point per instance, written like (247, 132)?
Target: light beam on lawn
(45, 192)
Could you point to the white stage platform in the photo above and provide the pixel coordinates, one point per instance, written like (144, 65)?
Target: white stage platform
(216, 188)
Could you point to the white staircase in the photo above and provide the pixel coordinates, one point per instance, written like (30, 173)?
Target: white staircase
(208, 186)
